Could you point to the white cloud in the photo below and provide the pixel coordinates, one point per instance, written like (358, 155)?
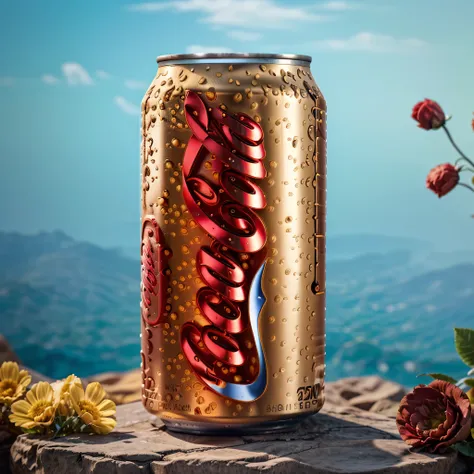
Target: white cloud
(241, 35)
(339, 6)
(371, 42)
(102, 74)
(6, 81)
(75, 74)
(126, 106)
(241, 13)
(197, 49)
(49, 79)
(131, 84)
(148, 7)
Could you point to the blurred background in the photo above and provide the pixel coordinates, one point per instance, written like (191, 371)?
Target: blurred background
(400, 261)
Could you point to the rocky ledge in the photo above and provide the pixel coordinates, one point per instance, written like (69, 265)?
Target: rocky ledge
(354, 433)
(348, 436)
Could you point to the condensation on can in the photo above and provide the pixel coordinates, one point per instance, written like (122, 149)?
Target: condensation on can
(233, 201)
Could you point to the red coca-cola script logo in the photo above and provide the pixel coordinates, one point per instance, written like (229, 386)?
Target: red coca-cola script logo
(154, 268)
(222, 201)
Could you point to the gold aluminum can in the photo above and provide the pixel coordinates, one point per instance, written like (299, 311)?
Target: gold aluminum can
(233, 174)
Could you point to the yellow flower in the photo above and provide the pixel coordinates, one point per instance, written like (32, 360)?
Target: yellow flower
(61, 390)
(13, 382)
(38, 409)
(92, 407)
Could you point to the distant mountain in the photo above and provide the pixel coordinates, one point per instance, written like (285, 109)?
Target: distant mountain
(18, 252)
(72, 306)
(68, 305)
(399, 328)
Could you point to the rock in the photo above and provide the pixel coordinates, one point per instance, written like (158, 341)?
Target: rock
(338, 440)
(367, 393)
(36, 376)
(120, 387)
(6, 352)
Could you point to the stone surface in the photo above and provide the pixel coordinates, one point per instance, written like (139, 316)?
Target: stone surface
(350, 435)
(367, 393)
(338, 440)
(121, 387)
(6, 352)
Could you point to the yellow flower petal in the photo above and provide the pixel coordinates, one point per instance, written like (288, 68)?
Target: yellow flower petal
(37, 410)
(72, 379)
(20, 407)
(95, 393)
(25, 379)
(69, 382)
(43, 391)
(4, 400)
(46, 418)
(107, 408)
(18, 419)
(57, 388)
(31, 395)
(105, 426)
(25, 423)
(9, 371)
(91, 407)
(63, 409)
(76, 394)
(86, 417)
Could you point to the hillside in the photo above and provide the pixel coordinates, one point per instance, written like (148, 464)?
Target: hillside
(73, 306)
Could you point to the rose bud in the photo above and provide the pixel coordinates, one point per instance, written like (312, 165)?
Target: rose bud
(434, 416)
(442, 179)
(429, 115)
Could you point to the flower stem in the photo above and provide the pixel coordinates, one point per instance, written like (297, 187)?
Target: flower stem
(466, 186)
(456, 147)
(57, 432)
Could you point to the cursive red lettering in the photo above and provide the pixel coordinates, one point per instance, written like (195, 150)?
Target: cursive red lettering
(225, 210)
(154, 273)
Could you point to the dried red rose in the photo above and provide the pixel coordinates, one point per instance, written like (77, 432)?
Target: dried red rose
(434, 416)
(429, 115)
(442, 179)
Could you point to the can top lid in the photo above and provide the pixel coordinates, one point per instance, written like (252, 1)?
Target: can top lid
(235, 58)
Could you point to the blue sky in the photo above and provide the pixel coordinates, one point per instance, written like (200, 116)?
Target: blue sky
(73, 73)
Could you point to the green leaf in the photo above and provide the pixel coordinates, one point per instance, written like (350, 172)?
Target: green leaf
(469, 382)
(464, 340)
(436, 376)
(30, 431)
(465, 447)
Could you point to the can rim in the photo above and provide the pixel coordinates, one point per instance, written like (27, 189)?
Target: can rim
(264, 57)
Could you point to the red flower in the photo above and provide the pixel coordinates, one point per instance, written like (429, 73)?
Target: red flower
(434, 416)
(429, 114)
(442, 179)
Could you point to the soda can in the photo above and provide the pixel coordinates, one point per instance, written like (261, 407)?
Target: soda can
(233, 172)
